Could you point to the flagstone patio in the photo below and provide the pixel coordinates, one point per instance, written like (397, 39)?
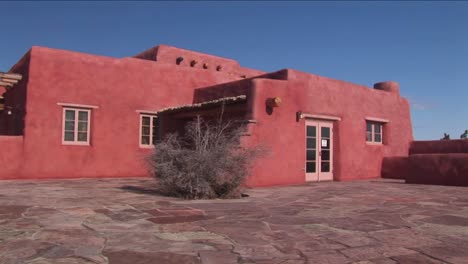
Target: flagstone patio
(127, 221)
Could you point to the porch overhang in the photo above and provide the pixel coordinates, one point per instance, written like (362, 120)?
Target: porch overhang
(203, 106)
(7, 81)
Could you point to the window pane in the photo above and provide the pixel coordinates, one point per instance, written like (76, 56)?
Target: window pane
(310, 167)
(325, 155)
(325, 167)
(83, 116)
(311, 154)
(368, 126)
(70, 115)
(368, 136)
(145, 130)
(82, 126)
(377, 128)
(145, 121)
(69, 136)
(82, 136)
(325, 132)
(69, 125)
(145, 140)
(311, 131)
(311, 142)
(378, 138)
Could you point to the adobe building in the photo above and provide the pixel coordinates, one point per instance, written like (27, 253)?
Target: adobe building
(72, 115)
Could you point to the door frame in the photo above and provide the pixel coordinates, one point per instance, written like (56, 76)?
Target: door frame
(317, 122)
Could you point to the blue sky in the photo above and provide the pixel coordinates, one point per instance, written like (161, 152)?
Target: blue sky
(422, 45)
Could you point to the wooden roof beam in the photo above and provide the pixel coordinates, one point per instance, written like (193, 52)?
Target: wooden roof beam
(6, 84)
(14, 76)
(9, 80)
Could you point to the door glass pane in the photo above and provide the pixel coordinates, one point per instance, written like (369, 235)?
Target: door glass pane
(310, 167)
(69, 136)
(83, 116)
(325, 155)
(311, 143)
(69, 115)
(325, 132)
(82, 136)
(311, 154)
(325, 166)
(311, 131)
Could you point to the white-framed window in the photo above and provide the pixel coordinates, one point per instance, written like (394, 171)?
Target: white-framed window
(149, 130)
(76, 126)
(374, 132)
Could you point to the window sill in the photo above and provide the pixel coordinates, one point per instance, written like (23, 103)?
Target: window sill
(146, 147)
(374, 143)
(76, 144)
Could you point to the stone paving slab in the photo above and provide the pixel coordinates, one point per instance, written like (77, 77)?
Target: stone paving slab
(126, 221)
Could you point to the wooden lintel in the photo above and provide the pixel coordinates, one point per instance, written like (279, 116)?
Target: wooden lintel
(14, 76)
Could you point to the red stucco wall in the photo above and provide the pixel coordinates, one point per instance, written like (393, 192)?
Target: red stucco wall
(152, 81)
(118, 87)
(439, 146)
(11, 156)
(353, 158)
(441, 169)
(395, 168)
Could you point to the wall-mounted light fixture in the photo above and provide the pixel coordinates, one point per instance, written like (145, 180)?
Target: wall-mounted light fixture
(273, 102)
(193, 63)
(219, 68)
(299, 116)
(205, 65)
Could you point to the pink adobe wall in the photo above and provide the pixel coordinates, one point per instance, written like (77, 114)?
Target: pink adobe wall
(11, 156)
(353, 158)
(118, 87)
(395, 168)
(442, 162)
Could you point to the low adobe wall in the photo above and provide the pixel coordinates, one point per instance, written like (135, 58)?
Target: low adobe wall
(441, 162)
(395, 168)
(442, 169)
(11, 156)
(439, 146)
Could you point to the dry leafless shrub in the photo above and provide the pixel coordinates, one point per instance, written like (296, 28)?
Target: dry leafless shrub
(207, 162)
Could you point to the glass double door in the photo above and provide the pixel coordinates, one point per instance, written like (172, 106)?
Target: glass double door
(319, 151)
